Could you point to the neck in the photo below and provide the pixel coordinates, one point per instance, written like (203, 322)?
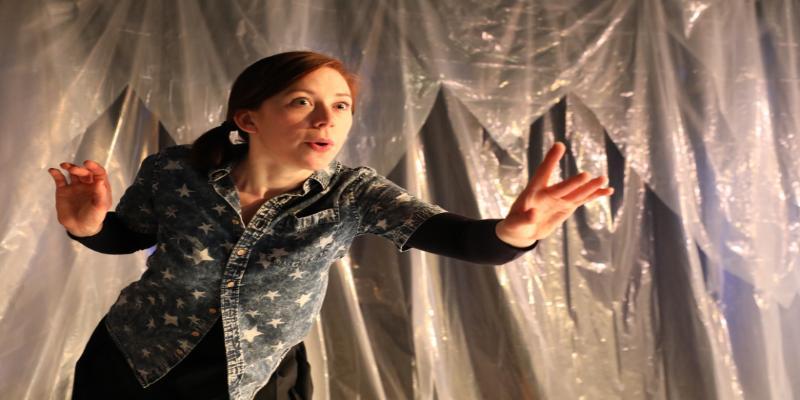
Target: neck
(259, 176)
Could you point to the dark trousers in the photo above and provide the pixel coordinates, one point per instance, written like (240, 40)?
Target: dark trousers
(103, 373)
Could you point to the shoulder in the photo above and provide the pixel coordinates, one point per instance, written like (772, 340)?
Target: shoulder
(170, 155)
(179, 151)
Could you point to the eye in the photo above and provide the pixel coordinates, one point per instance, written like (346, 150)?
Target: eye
(301, 101)
(342, 106)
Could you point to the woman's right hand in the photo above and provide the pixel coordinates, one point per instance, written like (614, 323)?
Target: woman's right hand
(82, 203)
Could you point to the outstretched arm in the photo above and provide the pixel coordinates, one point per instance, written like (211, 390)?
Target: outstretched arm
(537, 212)
(541, 209)
(456, 236)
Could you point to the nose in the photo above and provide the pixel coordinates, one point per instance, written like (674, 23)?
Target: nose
(322, 117)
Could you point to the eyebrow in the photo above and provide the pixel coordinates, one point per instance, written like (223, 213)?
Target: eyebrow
(312, 92)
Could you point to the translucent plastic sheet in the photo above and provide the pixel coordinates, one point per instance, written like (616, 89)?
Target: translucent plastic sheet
(683, 285)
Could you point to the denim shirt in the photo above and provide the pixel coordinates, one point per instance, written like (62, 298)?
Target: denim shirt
(266, 280)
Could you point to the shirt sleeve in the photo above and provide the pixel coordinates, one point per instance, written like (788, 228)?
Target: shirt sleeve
(472, 240)
(387, 210)
(135, 208)
(115, 238)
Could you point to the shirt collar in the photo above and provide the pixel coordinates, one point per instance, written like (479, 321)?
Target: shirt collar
(321, 176)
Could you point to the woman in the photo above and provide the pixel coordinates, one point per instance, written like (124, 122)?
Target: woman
(246, 222)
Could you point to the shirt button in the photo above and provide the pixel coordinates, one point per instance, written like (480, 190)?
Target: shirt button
(230, 284)
(195, 333)
(241, 252)
(212, 310)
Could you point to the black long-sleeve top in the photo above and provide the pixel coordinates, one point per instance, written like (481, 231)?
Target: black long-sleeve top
(446, 234)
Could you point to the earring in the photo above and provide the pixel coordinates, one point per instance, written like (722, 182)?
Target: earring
(235, 138)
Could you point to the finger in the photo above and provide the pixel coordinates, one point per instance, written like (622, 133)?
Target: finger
(563, 188)
(58, 177)
(95, 169)
(546, 168)
(67, 167)
(602, 192)
(78, 173)
(585, 190)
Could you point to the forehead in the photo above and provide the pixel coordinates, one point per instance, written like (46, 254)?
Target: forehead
(322, 81)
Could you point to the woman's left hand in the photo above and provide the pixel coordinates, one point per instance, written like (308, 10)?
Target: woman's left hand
(540, 209)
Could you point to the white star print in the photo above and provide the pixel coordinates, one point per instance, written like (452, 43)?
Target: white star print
(219, 209)
(184, 191)
(200, 256)
(263, 260)
(278, 345)
(167, 275)
(179, 303)
(171, 211)
(252, 313)
(194, 320)
(303, 299)
(381, 224)
(198, 294)
(251, 334)
(170, 319)
(205, 228)
(326, 241)
(226, 245)
(275, 322)
(184, 345)
(272, 294)
(403, 197)
(172, 165)
(145, 353)
(297, 274)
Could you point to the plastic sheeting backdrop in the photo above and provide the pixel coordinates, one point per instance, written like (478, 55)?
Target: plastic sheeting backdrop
(683, 285)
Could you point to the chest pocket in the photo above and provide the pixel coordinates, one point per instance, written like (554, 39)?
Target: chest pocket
(326, 216)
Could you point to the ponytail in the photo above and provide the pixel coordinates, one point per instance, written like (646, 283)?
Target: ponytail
(214, 148)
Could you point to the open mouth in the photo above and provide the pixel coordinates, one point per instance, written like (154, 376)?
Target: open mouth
(320, 145)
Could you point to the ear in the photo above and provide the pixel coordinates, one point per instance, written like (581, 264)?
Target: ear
(244, 120)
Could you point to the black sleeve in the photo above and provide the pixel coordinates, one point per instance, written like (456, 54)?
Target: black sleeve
(116, 238)
(467, 239)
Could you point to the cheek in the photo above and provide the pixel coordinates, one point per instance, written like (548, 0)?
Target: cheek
(344, 124)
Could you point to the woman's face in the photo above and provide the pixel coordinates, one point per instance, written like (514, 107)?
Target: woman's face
(305, 125)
